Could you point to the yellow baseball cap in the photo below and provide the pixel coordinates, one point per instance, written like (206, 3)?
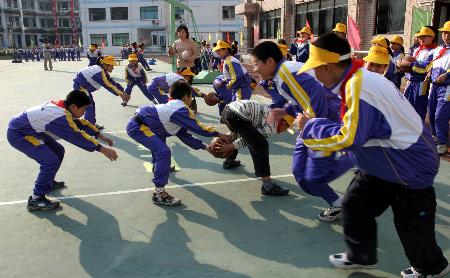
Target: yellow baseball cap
(187, 72)
(378, 55)
(381, 41)
(283, 49)
(109, 60)
(425, 31)
(305, 30)
(341, 28)
(132, 57)
(221, 45)
(319, 56)
(446, 27)
(397, 39)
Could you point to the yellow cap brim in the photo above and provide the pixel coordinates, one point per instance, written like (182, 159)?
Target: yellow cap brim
(309, 65)
(376, 60)
(217, 48)
(130, 60)
(445, 29)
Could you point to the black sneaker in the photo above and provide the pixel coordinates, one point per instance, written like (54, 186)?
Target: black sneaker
(230, 164)
(275, 190)
(124, 104)
(99, 127)
(340, 261)
(165, 199)
(58, 185)
(330, 214)
(42, 203)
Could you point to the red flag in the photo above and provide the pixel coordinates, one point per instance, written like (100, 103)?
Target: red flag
(228, 38)
(353, 35)
(309, 26)
(103, 42)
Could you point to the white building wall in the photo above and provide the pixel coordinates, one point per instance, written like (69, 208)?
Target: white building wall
(208, 15)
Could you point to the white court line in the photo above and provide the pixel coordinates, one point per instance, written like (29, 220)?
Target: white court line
(81, 196)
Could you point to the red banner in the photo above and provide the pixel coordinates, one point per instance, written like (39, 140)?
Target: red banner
(55, 22)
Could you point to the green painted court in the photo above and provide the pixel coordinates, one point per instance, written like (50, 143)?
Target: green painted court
(108, 226)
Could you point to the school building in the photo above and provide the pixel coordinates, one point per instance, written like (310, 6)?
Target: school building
(118, 22)
(274, 19)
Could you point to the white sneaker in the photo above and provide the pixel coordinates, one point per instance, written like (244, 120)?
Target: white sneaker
(442, 149)
(340, 261)
(412, 273)
(329, 214)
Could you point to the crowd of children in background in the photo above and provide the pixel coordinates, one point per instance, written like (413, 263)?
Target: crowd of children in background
(60, 52)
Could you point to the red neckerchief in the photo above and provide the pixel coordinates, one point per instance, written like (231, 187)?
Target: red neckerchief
(422, 47)
(356, 65)
(59, 103)
(441, 53)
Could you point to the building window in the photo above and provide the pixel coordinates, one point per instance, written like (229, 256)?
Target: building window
(63, 6)
(322, 15)
(14, 20)
(162, 40)
(228, 12)
(99, 39)
(119, 13)
(11, 4)
(46, 22)
(179, 13)
(150, 12)
(154, 40)
(97, 14)
(45, 6)
(28, 4)
(29, 22)
(270, 24)
(31, 40)
(390, 16)
(120, 39)
(63, 23)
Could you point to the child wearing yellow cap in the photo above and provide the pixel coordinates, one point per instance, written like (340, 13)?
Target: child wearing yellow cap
(93, 53)
(387, 137)
(340, 30)
(134, 76)
(398, 52)
(90, 79)
(439, 101)
(237, 77)
(377, 60)
(300, 46)
(416, 90)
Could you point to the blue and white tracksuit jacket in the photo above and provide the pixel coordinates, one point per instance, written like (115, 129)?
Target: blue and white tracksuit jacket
(312, 170)
(237, 78)
(89, 80)
(159, 87)
(92, 56)
(300, 49)
(439, 101)
(32, 133)
(270, 88)
(380, 127)
(225, 95)
(135, 76)
(416, 90)
(397, 75)
(154, 123)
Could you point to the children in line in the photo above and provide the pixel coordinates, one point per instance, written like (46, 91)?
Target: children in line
(135, 76)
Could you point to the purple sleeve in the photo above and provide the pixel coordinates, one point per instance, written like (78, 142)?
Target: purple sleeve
(186, 119)
(192, 142)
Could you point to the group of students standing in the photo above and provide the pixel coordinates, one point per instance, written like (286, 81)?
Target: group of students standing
(348, 114)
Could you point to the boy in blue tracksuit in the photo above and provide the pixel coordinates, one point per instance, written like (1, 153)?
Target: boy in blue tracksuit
(439, 102)
(237, 77)
(90, 79)
(154, 123)
(224, 95)
(396, 156)
(33, 131)
(302, 93)
(135, 76)
(92, 54)
(416, 90)
(300, 46)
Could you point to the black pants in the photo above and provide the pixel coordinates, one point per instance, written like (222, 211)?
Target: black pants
(414, 212)
(256, 142)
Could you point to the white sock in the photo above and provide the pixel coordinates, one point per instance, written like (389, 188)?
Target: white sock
(34, 197)
(159, 190)
(337, 203)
